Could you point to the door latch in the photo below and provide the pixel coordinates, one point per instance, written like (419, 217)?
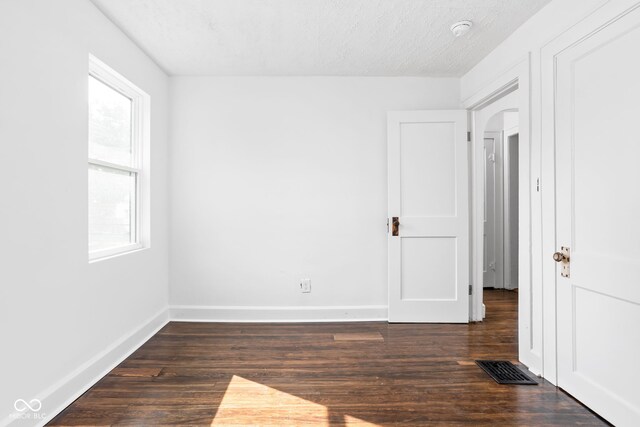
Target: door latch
(395, 225)
(564, 258)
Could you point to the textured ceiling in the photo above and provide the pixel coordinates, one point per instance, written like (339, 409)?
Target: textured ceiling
(317, 37)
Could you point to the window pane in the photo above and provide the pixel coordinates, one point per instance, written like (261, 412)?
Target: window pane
(109, 124)
(112, 198)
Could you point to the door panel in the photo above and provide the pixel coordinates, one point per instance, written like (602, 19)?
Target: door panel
(594, 343)
(598, 206)
(440, 273)
(428, 260)
(427, 158)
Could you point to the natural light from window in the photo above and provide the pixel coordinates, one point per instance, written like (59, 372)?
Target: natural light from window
(114, 163)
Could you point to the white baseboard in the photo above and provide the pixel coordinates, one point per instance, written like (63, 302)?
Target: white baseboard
(191, 313)
(60, 395)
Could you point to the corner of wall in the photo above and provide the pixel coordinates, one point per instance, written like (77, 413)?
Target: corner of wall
(64, 392)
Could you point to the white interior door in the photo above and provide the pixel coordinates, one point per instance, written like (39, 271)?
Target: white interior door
(428, 182)
(598, 218)
(492, 224)
(511, 141)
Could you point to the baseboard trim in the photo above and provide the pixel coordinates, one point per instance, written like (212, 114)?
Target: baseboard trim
(248, 314)
(68, 389)
(60, 395)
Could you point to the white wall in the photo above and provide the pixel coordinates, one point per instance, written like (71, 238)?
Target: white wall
(58, 313)
(278, 179)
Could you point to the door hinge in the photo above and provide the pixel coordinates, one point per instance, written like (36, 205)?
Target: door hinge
(468, 136)
(387, 225)
(470, 290)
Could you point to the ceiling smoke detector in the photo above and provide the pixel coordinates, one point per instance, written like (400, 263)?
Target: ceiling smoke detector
(460, 28)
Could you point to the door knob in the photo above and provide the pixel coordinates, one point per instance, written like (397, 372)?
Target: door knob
(395, 225)
(559, 257)
(563, 256)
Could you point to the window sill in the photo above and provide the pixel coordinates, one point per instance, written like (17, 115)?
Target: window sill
(115, 252)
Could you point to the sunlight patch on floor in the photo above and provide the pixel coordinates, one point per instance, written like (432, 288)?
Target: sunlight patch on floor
(249, 403)
(353, 421)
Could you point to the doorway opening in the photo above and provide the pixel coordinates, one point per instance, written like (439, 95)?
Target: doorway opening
(500, 214)
(510, 93)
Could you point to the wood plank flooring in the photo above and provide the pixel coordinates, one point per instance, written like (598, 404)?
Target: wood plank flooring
(299, 374)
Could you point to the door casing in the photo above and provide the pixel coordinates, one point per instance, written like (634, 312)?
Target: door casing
(511, 90)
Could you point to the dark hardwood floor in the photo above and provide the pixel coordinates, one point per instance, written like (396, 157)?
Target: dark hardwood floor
(334, 374)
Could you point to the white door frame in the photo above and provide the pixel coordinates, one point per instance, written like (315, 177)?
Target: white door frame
(530, 322)
(596, 21)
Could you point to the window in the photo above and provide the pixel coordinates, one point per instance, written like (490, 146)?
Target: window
(115, 162)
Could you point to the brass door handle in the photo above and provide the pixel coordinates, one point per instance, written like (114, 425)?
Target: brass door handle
(560, 257)
(564, 258)
(395, 225)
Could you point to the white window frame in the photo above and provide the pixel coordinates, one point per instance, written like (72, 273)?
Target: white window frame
(105, 74)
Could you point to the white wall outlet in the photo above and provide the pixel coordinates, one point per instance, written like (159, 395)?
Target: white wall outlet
(305, 286)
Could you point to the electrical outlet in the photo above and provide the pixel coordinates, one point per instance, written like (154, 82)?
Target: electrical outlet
(305, 286)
